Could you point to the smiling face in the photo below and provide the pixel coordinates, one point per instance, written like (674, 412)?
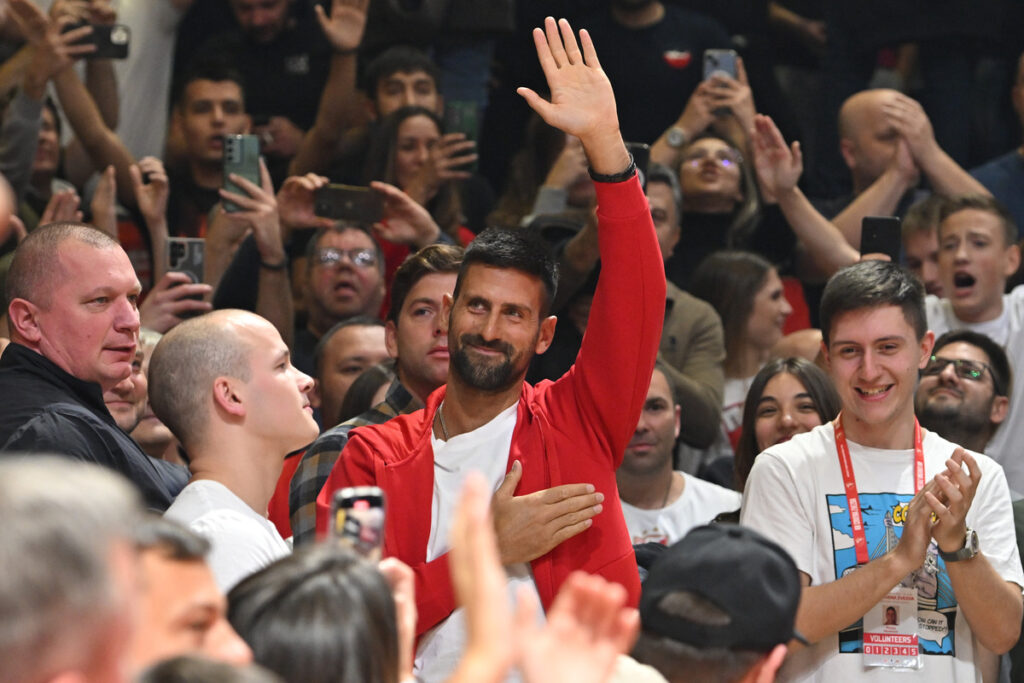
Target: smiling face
(784, 410)
(182, 612)
(419, 340)
(974, 263)
(338, 288)
(495, 327)
(90, 324)
(874, 356)
(416, 138)
(710, 175)
(768, 314)
(650, 449)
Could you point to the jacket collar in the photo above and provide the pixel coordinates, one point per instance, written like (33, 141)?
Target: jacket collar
(21, 357)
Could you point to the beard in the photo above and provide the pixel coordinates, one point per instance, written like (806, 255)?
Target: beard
(952, 422)
(486, 376)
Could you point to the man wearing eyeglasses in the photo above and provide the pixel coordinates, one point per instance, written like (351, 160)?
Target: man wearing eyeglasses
(977, 254)
(963, 393)
(344, 278)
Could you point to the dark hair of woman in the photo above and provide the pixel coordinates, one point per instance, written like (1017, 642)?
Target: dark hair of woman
(445, 206)
(359, 397)
(526, 173)
(819, 387)
(320, 615)
(729, 281)
(747, 212)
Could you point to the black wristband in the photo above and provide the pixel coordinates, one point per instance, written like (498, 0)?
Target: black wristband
(275, 266)
(620, 177)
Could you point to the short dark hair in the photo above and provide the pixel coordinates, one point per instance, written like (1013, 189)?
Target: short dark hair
(872, 284)
(322, 614)
(399, 59)
(666, 370)
(818, 385)
(981, 202)
(435, 258)
(729, 281)
(659, 173)
(516, 248)
(207, 68)
(172, 539)
(321, 345)
(1002, 373)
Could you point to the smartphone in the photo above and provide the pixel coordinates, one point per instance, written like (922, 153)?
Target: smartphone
(641, 152)
(463, 117)
(881, 235)
(719, 61)
(111, 40)
(351, 203)
(241, 157)
(187, 255)
(357, 519)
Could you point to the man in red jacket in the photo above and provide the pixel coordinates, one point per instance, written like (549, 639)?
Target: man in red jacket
(557, 445)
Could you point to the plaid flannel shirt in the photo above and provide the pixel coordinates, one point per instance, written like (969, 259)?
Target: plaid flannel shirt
(319, 459)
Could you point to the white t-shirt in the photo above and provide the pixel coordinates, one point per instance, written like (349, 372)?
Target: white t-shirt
(1008, 331)
(144, 79)
(700, 503)
(242, 541)
(795, 496)
(483, 450)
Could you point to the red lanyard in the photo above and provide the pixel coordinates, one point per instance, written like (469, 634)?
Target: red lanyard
(860, 541)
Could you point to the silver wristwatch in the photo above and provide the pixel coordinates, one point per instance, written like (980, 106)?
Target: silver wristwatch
(970, 549)
(676, 137)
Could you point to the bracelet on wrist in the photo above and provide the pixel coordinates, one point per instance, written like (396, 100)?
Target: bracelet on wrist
(619, 177)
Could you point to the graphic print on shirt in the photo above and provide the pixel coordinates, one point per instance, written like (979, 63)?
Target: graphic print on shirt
(883, 515)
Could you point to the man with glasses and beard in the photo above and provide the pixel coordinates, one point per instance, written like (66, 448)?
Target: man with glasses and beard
(557, 445)
(964, 391)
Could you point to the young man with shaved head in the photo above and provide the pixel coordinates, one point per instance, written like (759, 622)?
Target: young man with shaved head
(74, 323)
(224, 385)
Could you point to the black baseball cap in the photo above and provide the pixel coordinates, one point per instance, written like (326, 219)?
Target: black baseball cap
(753, 583)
